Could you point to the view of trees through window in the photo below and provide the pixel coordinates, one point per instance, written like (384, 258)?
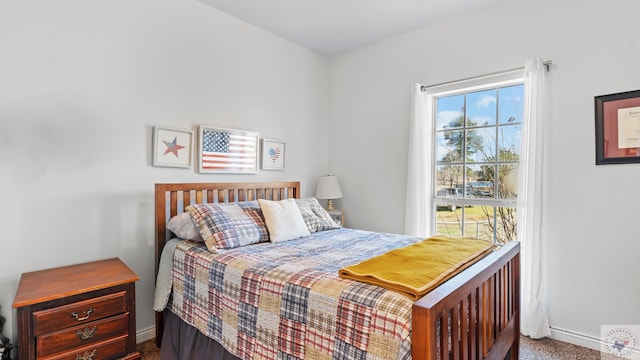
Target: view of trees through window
(478, 137)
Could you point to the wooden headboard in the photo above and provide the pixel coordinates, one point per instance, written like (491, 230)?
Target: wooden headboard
(174, 198)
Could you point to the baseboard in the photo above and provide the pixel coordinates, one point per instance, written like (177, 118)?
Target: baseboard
(145, 334)
(563, 335)
(575, 338)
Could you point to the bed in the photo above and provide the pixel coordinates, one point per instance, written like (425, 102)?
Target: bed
(474, 315)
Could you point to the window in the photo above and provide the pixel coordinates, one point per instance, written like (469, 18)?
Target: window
(477, 147)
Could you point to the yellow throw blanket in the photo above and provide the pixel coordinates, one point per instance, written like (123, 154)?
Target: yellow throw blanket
(416, 269)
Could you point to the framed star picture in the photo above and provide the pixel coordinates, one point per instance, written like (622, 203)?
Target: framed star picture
(172, 147)
(272, 154)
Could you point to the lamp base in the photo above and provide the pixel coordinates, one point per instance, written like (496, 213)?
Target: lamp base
(330, 204)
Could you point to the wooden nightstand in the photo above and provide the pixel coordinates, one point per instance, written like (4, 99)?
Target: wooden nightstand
(337, 215)
(78, 312)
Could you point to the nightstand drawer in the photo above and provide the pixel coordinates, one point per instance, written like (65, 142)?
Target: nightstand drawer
(81, 312)
(81, 335)
(106, 350)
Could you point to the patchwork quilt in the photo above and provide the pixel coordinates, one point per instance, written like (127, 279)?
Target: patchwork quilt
(286, 301)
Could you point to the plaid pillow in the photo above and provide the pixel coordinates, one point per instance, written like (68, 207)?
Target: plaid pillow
(229, 225)
(315, 216)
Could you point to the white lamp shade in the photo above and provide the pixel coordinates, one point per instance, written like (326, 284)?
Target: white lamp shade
(328, 188)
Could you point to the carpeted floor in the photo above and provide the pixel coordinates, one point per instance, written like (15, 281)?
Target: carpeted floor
(543, 349)
(549, 349)
(149, 350)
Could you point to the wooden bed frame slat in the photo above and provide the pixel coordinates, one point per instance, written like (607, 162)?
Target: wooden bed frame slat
(478, 309)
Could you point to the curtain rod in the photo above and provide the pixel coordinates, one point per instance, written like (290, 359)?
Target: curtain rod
(547, 65)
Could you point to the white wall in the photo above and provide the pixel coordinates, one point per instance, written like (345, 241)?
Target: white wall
(591, 237)
(82, 83)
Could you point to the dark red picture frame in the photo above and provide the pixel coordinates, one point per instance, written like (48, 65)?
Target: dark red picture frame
(610, 148)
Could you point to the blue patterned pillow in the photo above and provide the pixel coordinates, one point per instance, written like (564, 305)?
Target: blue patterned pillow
(315, 216)
(229, 225)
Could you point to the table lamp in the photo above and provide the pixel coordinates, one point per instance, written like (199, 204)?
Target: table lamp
(329, 188)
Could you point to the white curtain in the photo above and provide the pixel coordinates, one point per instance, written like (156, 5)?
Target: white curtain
(533, 318)
(418, 209)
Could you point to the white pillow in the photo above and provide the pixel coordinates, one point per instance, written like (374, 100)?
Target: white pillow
(184, 228)
(283, 219)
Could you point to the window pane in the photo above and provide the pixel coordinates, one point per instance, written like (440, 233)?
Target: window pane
(449, 146)
(476, 187)
(510, 104)
(509, 142)
(449, 112)
(481, 108)
(506, 224)
(448, 176)
(486, 222)
(481, 144)
(470, 221)
(488, 180)
(475, 143)
(448, 222)
(508, 181)
(475, 224)
(500, 222)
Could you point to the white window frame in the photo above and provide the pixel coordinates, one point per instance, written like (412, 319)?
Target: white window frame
(496, 80)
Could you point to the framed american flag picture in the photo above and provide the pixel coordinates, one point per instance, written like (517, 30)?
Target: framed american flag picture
(227, 151)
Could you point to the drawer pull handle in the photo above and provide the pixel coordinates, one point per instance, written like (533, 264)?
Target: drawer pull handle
(75, 315)
(87, 355)
(87, 333)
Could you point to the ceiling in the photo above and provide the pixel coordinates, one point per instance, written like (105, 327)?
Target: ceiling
(331, 27)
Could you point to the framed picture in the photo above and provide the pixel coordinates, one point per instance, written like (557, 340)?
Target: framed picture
(618, 128)
(172, 147)
(227, 151)
(272, 154)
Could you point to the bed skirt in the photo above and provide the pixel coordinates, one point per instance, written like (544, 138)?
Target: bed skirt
(181, 341)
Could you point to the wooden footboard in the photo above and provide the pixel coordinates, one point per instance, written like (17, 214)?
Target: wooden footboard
(475, 315)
